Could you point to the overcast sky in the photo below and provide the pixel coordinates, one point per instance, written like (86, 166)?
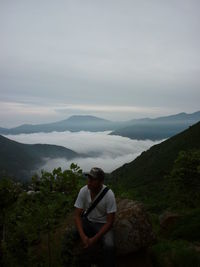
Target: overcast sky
(116, 59)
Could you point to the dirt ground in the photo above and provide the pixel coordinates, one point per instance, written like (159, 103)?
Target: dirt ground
(139, 259)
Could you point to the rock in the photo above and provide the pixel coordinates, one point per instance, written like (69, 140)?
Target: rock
(133, 230)
(167, 220)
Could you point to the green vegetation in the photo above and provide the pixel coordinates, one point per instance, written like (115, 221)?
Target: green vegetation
(177, 244)
(167, 178)
(175, 254)
(183, 183)
(31, 220)
(186, 227)
(145, 179)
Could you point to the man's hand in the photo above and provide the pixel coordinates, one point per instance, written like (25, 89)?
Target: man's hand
(92, 241)
(88, 242)
(85, 241)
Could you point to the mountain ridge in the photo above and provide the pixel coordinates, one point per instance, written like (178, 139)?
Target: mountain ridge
(158, 128)
(140, 129)
(18, 159)
(146, 173)
(73, 123)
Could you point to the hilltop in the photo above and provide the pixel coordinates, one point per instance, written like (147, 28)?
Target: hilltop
(18, 160)
(158, 128)
(140, 129)
(144, 177)
(73, 124)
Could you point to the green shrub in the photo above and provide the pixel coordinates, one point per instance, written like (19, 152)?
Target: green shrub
(186, 258)
(184, 180)
(28, 221)
(175, 254)
(187, 227)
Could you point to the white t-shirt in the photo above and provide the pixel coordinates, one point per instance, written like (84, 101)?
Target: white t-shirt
(106, 205)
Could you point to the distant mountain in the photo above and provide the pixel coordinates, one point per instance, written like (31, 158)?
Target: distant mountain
(146, 128)
(159, 128)
(18, 160)
(144, 177)
(177, 118)
(3, 130)
(73, 124)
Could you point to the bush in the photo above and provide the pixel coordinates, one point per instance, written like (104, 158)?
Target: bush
(28, 217)
(184, 180)
(174, 254)
(187, 227)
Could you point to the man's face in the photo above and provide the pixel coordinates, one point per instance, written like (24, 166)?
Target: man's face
(94, 184)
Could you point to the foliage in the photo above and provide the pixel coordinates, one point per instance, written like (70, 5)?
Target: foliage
(184, 180)
(35, 214)
(144, 179)
(175, 253)
(9, 192)
(67, 253)
(187, 227)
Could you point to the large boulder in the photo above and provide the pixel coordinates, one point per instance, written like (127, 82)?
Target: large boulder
(167, 220)
(133, 230)
(132, 227)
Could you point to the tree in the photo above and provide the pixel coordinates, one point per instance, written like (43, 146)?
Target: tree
(9, 193)
(37, 213)
(184, 179)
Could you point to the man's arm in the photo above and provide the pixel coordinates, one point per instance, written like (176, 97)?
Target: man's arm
(107, 226)
(78, 222)
(85, 239)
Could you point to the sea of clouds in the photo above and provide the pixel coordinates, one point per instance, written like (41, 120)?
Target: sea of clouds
(103, 150)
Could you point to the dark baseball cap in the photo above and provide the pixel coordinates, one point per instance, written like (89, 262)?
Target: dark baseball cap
(95, 173)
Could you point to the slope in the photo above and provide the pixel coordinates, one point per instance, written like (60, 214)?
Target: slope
(159, 128)
(144, 177)
(74, 123)
(17, 159)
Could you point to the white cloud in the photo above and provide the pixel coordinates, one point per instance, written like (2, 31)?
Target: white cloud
(107, 163)
(103, 150)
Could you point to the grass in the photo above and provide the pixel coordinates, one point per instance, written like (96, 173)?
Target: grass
(176, 253)
(187, 227)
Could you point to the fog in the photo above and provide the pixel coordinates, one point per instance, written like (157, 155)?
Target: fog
(103, 150)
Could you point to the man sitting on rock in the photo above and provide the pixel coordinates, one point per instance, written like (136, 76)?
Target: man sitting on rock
(96, 224)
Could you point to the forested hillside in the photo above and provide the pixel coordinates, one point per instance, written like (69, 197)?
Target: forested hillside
(145, 176)
(34, 215)
(18, 160)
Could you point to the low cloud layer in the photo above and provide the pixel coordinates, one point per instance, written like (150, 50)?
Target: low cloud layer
(103, 150)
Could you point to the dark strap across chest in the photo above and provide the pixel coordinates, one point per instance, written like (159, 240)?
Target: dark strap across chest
(97, 200)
